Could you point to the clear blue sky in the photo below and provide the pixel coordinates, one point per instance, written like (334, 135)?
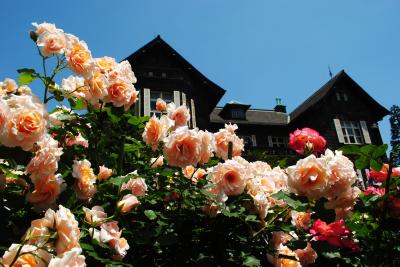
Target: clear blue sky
(257, 50)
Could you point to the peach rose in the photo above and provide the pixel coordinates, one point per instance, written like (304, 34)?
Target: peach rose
(67, 230)
(47, 190)
(346, 199)
(301, 220)
(188, 171)
(291, 259)
(78, 56)
(4, 112)
(161, 106)
(156, 130)
(309, 177)
(137, 186)
(72, 257)
(222, 139)
(77, 140)
(207, 145)
(75, 86)
(85, 184)
(259, 168)
(307, 255)
(29, 256)
(104, 173)
(183, 147)
(156, 162)
(38, 233)
(44, 27)
(122, 71)
(120, 93)
(24, 90)
(95, 216)
(230, 177)
(8, 86)
(51, 43)
(26, 122)
(110, 234)
(134, 98)
(105, 64)
(180, 115)
(280, 238)
(98, 85)
(45, 161)
(127, 203)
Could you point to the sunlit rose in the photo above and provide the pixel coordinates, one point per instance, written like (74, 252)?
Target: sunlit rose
(222, 139)
(98, 85)
(161, 106)
(47, 190)
(96, 215)
(309, 177)
(230, 177)
(75, 86)
(71, 258)
(110, 234)
(122, 71)
(121, 93)
(157, 162)
(156, 130)
(381, 176)
(44, 27)
(104, 173)
(77, 140)
(78, 56)
(8, 86)
(29, 256)
(301, 220)
(137, 186)
(307, 255)
(127, 203)
(279, 260)
(51, 43)
(4, 112)
(85, 184)
(180, 115)
(305, 140)
(105, 63)
(67, 230)
(183, 147)
(207, 145)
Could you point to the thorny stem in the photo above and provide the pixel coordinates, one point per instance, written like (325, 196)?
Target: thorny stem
(270, 222)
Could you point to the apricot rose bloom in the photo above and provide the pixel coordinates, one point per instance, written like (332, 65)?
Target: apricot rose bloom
(45, 161)
(72, 257)
(137, 186)
(8, 86)
(127, 203)
(25, 124)
(104, 173)
(77, 140)
(309, 177)
(229, 177)
(96, 215)
(67, 230)
(306, 139)
(29, 256)
(156, 130)
(307, 255)
(180, 115)
(300, 219)
(78, 56)
(161, 105)
(52, 42)
(157, 162)
(222, 139)
(85, 184)
(183, 147)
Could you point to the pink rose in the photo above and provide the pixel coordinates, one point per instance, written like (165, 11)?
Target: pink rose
(96, 215)
(230, 177)
(85, 179)
(127, 203)
(180, 115)
(182, 147)
(156, 130)
(306, 139)
(137, 186)
(371, 190)
(381, 176)
(301, 220)
(110, 234)
(77, 140)
(207, 144)
(104, 173)
(161, 106)
(67, 230)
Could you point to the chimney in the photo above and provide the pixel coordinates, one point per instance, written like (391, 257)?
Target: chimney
(279, 107)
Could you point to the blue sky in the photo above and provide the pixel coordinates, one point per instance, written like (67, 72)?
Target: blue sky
(257, 50)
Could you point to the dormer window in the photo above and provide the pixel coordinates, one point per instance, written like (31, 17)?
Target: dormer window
(341, 95)
(237, 113)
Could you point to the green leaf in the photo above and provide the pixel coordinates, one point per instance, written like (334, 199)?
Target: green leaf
(86, 246)
(350, 150)
(251, 261)
(295, 204)
(79, 104)
(380, 151)
(376, 164)
(26, 78)
(150, 214)
(368, 149)
(362, 163)
(112, 117)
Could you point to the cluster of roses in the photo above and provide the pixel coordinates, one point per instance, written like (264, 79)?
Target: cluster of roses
(50, 241)
(102, 80)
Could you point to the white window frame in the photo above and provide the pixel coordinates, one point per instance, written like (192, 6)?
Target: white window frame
(277, 141)
(349, 129)
(160, 95)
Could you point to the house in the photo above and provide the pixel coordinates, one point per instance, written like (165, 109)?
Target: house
(340, 110)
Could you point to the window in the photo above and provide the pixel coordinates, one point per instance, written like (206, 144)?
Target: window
(154, 95)
(238, 114)
(247, 140)
(352, 132)
(338, 96)
(278, 141)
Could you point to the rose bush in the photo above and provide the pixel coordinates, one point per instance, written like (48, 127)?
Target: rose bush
(93, 184)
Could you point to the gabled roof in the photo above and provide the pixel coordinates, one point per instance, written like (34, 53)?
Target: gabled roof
(254, 117)
(326, 88)
(158, 41)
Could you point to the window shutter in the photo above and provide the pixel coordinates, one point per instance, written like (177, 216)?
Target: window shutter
(177, 99)
(365, 132)
(193, 113)
(254, 140)
(183, 99)
(270, 141)
(339, 131)
(360, 179)
(146, 102)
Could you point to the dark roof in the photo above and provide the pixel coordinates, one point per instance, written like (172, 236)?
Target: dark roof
(325, 89)
(253, 116)
(216, 90)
